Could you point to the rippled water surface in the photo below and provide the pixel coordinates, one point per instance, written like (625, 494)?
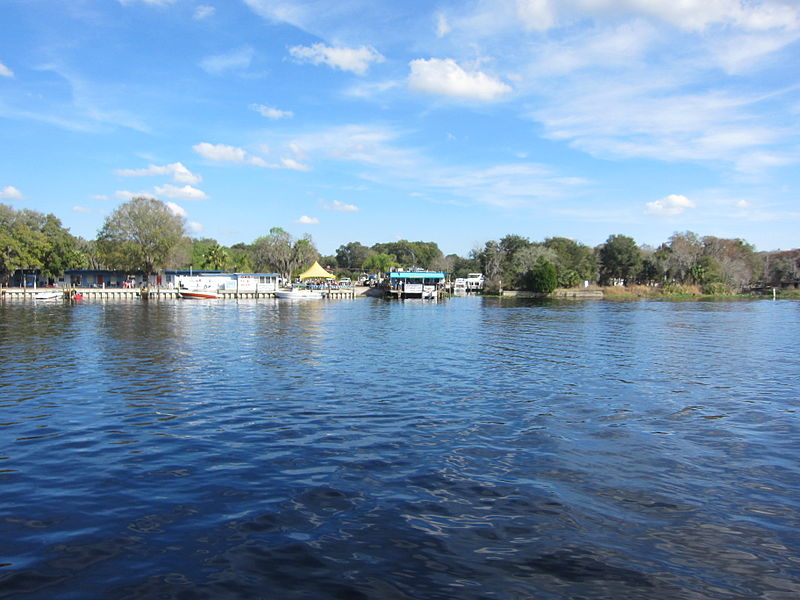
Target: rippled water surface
(366, 449)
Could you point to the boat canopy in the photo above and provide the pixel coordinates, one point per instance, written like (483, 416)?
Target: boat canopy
(416, 275)
(316, 272)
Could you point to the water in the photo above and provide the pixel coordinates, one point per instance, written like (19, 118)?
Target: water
(366, 449)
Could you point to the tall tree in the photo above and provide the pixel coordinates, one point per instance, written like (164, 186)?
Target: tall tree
(620, 258)
(380, 263)
(352, 255)
(573, 256)
(280, 252)
(140, 235)
(37, 241)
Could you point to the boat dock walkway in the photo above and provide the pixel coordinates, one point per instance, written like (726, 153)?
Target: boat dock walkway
(155, 293)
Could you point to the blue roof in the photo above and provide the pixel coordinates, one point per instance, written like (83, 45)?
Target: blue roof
(416, 275)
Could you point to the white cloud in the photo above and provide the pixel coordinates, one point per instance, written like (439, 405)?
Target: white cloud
(290, 163)
(186, 192)
(307, 220)
(81, 209)
(10, 193)
(203, 12)
(224, 153)
(271, 113)
(669, 206)
(236, 60)
(340, 206)
(125, 195)
(356, 60)
(536, 15)
(5, 71)
(177, 209)
(446, 77)
(179, 173)
(442, 26)
(698, 15)
(194, 226)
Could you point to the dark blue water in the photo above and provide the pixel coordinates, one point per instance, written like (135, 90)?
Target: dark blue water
(366, 449)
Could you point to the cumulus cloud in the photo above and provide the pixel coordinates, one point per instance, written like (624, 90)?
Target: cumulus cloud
(5, 71)
(669, 206)
(447, 78)
(339, 206)
(194, 226)
(177, 209)
(307, 220)
(186, 192)
(10, 193)
(271, 113)
(224, 153)
(357, 60)
(178, 172)
(236, 60)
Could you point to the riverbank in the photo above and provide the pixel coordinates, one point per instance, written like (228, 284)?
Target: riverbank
(643, 292)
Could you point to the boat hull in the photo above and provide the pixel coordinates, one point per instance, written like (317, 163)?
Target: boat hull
(197, 295)
(298, 295)
(48, 296)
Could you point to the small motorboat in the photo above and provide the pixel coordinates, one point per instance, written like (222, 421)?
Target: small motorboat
(198, 294)
(49, 295)
(298, 294)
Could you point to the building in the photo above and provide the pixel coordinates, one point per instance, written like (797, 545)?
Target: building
(416, 284)
(101, 278)
(223, 282)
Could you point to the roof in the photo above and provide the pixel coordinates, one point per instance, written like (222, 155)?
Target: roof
(416, 275)
(315, 271)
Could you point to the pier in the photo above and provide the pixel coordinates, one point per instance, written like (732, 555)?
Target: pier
(154, 293)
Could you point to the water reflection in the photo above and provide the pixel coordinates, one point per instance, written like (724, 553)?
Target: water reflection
(473, 448)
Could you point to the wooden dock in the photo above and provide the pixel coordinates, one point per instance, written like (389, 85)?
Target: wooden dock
(152, 293)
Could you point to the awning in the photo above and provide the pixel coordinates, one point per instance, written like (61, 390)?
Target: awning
(316, 272)
(416, 275)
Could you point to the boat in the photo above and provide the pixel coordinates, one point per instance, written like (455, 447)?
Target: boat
(298, 294)
(49, 295)
(198, 294)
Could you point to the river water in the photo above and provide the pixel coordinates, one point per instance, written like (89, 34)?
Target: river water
(471, 448)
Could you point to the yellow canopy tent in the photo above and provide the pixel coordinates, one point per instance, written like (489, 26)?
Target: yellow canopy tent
(316, 272)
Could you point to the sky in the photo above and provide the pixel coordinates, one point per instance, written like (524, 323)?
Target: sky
(377, 120)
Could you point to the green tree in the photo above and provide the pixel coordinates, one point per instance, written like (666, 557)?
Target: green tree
(542, 278)
(241, 260)
(140, 235)
(620, 258)
(216, 258)
(411, 254)
(380, 263)
(573, 256)
(35, 241)
(352, 255)
(280, 252)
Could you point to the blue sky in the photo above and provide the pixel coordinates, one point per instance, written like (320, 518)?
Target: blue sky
(372, 120)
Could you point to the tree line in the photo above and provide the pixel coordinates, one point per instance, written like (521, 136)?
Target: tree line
(143, 235)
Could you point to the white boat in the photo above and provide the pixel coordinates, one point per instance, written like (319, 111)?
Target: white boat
(298, 294)
(49, 295)
(198, 294)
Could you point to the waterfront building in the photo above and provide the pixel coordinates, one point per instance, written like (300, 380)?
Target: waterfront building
(223, 282)
(416, 284)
